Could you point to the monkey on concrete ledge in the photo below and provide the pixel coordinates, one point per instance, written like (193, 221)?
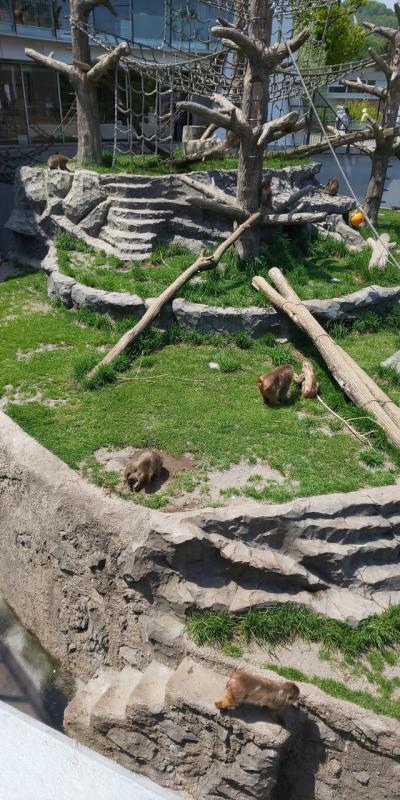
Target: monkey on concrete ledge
(245, 688)
(58, 161)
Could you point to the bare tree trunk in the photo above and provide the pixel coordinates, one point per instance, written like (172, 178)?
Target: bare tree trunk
(254, 111)
(376, 184)
(88, 120)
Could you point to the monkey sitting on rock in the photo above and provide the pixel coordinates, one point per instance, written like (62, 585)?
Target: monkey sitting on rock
(141, 470)
(245, 688)
(58, 161)
(274, 386)
(332, 187)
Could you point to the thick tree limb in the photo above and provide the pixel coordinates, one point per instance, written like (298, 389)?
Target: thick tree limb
(217, 151)
(226, 105)
(107, 62)
(387, 33)
(351, 378)
(381, 63)
(85, 7)
(335, 141)
(376, 91)
(201, 264)
(207, 133)
(272, 56)
(285, 204)
(285, 123)
(380, 251)
(230, 123)
(245, 44)
(236, 213)
(208, 190)
(49, 61)
(397, 11)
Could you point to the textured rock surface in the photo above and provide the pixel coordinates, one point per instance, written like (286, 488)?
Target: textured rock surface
(116, 304)
(86, 192)
(163, 722)
(201, 317)
(144, 210)
(393, 361)
(60, 286)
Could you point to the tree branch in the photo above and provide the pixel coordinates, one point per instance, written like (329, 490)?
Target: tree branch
(208, 190)
(381, 63)
(397, 11)
(272, 56)
(249, 48)
(107, 62)
(376, 91)
(86, 6)
(213, 117)
(49, 61)
(226, 105)
(282, 125)
(335, 141)
(387, 33)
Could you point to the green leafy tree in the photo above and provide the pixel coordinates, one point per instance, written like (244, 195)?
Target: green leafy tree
(337, 30)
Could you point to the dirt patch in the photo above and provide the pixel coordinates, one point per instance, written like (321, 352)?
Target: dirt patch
(36, 307)
(18, 398)
(26, 355)
(217, 487)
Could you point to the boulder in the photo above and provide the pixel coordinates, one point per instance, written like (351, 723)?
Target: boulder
(256, 321)
(58, 182)
(393, 361)
(96, 218)
(86, 193)
(25, 222)
(30, 189)
(60, 286)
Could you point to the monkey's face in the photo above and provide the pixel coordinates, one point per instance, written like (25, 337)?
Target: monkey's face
(292, 692)
(132, 479)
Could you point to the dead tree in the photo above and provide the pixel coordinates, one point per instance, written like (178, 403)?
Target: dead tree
(248, 123)
(84, 77)
(385, 145)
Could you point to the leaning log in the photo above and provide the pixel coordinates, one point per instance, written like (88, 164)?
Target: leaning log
(201, 264)
(349, 376)
(236, 213)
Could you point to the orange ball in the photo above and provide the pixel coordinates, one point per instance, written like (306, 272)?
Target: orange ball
(356, 218)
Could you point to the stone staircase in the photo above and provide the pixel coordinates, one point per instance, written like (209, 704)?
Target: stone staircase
(163, 722)
(141, 215)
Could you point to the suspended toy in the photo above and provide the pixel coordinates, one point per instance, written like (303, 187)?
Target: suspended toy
(356, 218)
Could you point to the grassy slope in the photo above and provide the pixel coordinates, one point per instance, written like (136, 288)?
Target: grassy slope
(321, 268)
(164, 400)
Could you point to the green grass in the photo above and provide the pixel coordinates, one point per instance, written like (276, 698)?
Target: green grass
(164, 394)
(156, 165)
(380, 705)
(284, 623)
(320, 268)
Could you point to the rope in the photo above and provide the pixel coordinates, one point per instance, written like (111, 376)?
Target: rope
(341, 170)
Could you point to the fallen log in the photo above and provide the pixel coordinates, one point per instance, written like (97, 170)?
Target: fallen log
(392, 409)
(380, 251)
(336, 141)
(236, 213)
(201, 264)
(349, 376)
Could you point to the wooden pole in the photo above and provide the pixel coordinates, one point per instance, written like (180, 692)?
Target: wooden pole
(345, 371)
(202, 263)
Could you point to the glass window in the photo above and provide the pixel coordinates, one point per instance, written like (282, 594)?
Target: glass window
(149, 21)
(12, 116)
(41, 92)
(6, 16)
(61, 12)
(33, 14)
(121, 25)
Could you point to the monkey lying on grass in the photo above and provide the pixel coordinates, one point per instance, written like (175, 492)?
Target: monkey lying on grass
(245, 688)
(143, 469)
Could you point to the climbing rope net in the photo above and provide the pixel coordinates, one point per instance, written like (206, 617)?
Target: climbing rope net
(149, 80)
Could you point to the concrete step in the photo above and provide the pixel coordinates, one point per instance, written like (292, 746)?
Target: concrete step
(352, 529)
(135, 223)
(143, 190)
(111, 706)
(140, 212)
(378, 578)
(151, 203)
(77, 719)
(149, 693)
(338, 563)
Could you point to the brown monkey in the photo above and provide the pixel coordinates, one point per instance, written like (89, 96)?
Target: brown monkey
(244, 688)
(274, 386)
(58, 161)
(310, 387)
(142, 470)
(331, 187)
(266, 195)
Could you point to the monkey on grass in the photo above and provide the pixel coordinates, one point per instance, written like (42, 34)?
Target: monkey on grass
(58, 161)
(245, 688)
(141, 470)
(274, 386)
(310, 385)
